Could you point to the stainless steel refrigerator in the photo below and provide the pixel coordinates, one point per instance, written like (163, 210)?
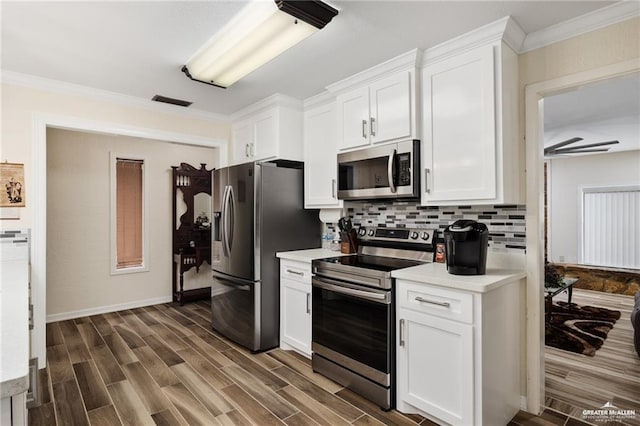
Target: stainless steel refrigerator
(258, 210)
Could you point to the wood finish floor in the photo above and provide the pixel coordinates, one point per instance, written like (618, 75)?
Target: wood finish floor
(164, 365)
(574, 382)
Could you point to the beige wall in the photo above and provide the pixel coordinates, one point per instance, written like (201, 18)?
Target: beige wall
(615, 43)
(19, 104)
(78, 240)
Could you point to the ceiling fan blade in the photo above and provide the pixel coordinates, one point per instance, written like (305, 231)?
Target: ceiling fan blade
(575, 151)
(561, 144)
(591, 145)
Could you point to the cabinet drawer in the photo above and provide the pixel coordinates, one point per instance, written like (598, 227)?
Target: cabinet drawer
(438, 301)
(296, 271)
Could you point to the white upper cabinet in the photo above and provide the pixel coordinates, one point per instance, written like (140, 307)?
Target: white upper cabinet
(320, 162)
(353, 118)
(390, 108)
(469, 120)
(377, 105)
(269, 129)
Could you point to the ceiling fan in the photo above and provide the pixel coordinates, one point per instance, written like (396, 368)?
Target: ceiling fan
(557, 149)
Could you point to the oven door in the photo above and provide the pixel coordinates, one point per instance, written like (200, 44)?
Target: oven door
(386, 171)
(353, 327)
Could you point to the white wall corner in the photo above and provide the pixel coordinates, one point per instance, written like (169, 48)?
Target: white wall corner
(600, 18)
(406, 61)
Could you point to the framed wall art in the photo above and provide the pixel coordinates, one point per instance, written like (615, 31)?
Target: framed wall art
(12, 192)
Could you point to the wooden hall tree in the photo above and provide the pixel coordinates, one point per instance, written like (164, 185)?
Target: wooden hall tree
(192, 229)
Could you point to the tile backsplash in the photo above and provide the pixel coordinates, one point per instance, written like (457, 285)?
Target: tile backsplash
(506, 223)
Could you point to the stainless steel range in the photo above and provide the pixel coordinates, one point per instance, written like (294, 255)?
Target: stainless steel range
(353, 315)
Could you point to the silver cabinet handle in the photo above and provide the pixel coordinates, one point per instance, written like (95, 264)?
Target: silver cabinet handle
(364, 129)
(333, 188)
(372, 123)
(289, 271)
(401, 332)
(433, 302)
(246, 150)
(426, 181)
(308, 303)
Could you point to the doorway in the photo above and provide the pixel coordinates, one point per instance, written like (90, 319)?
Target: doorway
(592, 201)
(534, 111)
(42, 122)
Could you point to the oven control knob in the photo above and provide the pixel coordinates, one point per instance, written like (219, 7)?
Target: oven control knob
(414, 235)
(362, 232)
(425, 236)
(371, 232)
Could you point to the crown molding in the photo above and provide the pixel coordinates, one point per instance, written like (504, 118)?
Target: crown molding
(401, 62)
(56, 86)
(506, 29)
(319, 100)
(277, 99)
(583, 24)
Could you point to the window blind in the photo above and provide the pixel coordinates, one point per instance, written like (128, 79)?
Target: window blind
(129, 213)
(611, 229)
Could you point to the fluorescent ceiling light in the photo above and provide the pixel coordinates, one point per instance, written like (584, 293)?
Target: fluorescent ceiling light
(260, 32)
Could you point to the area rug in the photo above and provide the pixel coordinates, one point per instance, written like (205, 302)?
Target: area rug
(580, 329)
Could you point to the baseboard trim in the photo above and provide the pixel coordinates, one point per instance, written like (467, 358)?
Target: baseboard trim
(105, 309)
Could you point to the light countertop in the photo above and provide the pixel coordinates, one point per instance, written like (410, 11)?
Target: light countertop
(436, 274)
(308, 255)
(429, 273)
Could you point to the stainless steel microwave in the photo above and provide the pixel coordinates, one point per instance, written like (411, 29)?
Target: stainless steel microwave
(380, 172)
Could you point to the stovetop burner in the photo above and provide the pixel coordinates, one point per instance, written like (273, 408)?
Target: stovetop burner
(381, 251)
(378, 263)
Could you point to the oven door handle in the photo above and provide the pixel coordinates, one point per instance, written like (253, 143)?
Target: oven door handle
(362, 294)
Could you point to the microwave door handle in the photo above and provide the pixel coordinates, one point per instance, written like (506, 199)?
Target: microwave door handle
(392, 160)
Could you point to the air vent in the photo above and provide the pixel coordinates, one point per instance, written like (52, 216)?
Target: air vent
(172, 101)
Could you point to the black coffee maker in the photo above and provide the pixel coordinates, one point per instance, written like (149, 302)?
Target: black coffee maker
(465, 244)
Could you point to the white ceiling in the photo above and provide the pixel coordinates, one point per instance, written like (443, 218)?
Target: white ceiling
(138, 48)
(599, 112)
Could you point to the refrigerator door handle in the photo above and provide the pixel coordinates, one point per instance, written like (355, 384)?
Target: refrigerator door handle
(225, 216)
(232, 221)
(232, 283)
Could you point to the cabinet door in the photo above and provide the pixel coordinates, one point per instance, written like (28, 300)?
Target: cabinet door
(266, 135)
(390, 106)
(320, 162)
(295, 315)
(242, 136)
(460, 128)
(435, 366)
(353, 118)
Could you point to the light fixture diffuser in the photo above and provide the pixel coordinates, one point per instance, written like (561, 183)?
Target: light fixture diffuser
(260, 32)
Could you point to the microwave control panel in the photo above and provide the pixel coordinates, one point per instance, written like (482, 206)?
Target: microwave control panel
(404, 169)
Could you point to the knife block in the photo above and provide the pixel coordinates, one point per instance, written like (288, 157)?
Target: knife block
(351, 245)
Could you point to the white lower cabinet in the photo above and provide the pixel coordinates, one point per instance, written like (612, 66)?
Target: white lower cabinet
(295, 306)
(441, 350)
(458, 353)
